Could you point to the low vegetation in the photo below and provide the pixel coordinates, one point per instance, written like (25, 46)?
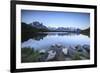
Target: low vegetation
(29, 55)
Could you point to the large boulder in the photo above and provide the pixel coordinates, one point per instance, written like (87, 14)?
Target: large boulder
(65, 51)
(51, 55)
(87, 48)
(83, 50)
(71, 52)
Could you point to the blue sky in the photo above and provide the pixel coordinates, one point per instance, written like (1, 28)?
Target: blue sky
(57, 19)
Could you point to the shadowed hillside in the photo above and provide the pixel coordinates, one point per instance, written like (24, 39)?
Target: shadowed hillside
(86, 32)
(27, 31)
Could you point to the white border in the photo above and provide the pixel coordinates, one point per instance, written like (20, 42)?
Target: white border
(20, 65)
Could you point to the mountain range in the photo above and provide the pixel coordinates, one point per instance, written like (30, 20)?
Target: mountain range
(39, 27)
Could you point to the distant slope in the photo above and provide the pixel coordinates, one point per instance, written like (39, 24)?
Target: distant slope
(86, 31)
(28, 28)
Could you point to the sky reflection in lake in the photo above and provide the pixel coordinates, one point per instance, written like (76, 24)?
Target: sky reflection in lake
(65, 40)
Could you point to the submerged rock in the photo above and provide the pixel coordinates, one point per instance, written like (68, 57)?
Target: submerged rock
(58, 45)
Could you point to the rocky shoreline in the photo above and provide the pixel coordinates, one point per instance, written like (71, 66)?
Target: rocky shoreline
(58, 52)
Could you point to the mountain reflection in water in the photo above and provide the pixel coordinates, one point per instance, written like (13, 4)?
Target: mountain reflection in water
(46, 39)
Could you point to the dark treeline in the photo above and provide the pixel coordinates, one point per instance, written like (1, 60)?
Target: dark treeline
(86, 32)
(27, 31)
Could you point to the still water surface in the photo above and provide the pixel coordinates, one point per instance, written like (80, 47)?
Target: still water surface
(47, 39)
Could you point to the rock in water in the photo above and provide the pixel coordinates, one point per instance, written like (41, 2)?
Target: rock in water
(59, 46)
(71, 51)
(51, 55)
(83, 50)
(65, 51)
(79, 48)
